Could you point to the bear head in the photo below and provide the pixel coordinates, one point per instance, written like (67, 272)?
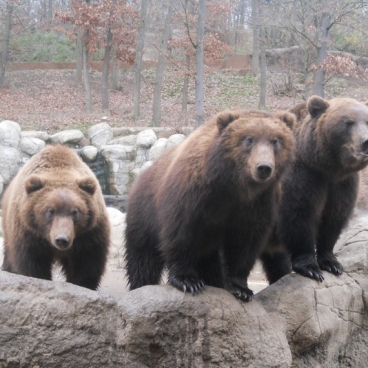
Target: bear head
(260, 144)
(337, 132)
(59, 214)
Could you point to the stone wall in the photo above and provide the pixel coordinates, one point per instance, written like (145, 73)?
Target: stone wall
(116, 156)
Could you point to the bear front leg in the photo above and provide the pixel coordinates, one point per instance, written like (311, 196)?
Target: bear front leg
(241, 251)
(303, 192)
(31, 257)
(85, 265)
(192, 255)
(339, 207)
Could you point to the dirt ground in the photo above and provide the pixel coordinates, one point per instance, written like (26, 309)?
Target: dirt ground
(51, 100)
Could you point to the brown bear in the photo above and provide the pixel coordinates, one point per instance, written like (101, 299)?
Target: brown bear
(320, 190)
(53, 210)
(205, 208)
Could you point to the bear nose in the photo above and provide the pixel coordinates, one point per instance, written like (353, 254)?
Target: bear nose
(264, 170)
(62, 242)
(365, 145)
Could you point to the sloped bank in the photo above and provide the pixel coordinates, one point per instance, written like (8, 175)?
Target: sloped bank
(296, 322)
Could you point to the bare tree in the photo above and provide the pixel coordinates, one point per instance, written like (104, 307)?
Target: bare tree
(255, 27)
(138, 59)
(5, 48)
(156, 117)
(309, 23)
(199, 93)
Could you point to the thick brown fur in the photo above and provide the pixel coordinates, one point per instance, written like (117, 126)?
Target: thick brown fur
(204, 208)
(53, 210)
(320, 190)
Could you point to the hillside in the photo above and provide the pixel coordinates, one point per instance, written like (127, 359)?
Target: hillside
(50, 100)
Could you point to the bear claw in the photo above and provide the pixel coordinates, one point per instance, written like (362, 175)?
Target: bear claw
(239, 289)
(192, 284)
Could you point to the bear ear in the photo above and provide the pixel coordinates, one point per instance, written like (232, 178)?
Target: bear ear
(317, 106)
(33, 184)
(287, 117)
(88, 185)
(225, 118)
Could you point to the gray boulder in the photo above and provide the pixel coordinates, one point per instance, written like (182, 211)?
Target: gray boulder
(100, 134)
(31, 145)
(146, 138)
(157, 149)
(9, 134)
(71, 137)
(175, 139)
(10, 159)
(89, 153)
(35, 134)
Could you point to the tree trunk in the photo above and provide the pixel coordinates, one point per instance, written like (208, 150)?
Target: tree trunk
(79, 57)
(5, 48)
(263, 84)
(184, 100)
(49, 12)
(319, 75)
(199, 93)
(115, 72)
(156, 118)
(255, 28)
(87, 86)
(105, 72)
(138, 59)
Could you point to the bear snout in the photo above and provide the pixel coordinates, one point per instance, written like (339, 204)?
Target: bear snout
(62, 242)
(264, 170)
(62, 233)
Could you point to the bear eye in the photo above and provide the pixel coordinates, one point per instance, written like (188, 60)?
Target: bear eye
(75, 213)
(275, 142)
(51, 212)
(349, 123)
(249, 141)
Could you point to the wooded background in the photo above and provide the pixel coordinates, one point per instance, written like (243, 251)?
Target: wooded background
(309, 41)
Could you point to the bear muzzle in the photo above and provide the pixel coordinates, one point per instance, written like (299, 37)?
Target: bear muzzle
(264, 171)
(62, 233)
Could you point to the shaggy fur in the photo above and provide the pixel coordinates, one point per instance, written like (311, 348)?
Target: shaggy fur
(53, 210)
(319, 192)
(205, 208)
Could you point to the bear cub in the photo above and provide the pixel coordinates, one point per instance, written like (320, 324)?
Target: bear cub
(205, 208)
(53, 210)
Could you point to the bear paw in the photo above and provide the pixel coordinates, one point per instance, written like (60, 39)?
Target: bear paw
(239, 289)
(329, 263)
(306, 265)
(189, 283)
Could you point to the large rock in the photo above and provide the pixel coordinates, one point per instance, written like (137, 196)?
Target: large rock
(10, 159)
(71, 137)
(100, 134)
(117, 222)
(157, 149)
(9, 134)
(296, 322)
(120, 160)
(35, 134)
(175, 139)
(31, 145)
(146, 138)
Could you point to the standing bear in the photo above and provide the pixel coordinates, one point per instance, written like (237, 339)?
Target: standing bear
(205, 208)
(53, 210)
(320, 190)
